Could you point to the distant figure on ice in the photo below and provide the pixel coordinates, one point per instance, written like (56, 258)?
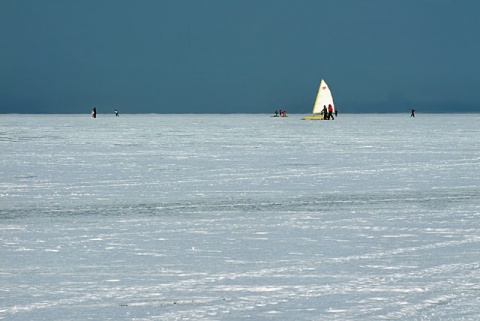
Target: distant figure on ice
(276, 113)
(330, 112)
(336, 112)
(325, 112)
(283, 113)
(94, 112)
(413, 113)
(116, 113)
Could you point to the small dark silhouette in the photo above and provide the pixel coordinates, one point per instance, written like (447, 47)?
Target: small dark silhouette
(94, 112)
(116, 113)
(413, 113)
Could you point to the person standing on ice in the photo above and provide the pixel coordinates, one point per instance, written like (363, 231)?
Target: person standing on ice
(94, 112)
(330, 112)
(116, 113)
(413, 113)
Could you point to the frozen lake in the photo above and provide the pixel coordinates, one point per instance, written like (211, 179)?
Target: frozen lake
(230, 217)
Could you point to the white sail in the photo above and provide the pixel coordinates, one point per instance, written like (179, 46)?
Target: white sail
(324, 98)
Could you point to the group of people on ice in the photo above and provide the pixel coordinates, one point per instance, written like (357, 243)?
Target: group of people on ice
(282, 113)
(328, 113)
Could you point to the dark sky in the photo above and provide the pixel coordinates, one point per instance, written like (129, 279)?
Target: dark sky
(238, 56)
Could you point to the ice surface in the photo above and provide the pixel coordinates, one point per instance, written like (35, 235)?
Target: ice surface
(228, 217)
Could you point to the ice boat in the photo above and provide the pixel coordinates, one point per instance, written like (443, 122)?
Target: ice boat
(324, 98)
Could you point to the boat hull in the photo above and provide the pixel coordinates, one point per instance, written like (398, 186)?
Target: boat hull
(313, 117)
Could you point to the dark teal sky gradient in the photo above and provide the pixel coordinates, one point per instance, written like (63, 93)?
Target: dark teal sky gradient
(248, 56)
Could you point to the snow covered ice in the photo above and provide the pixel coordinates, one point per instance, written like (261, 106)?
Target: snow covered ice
(230, 217)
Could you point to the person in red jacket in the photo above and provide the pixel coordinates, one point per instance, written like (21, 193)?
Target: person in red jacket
(330, 112)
